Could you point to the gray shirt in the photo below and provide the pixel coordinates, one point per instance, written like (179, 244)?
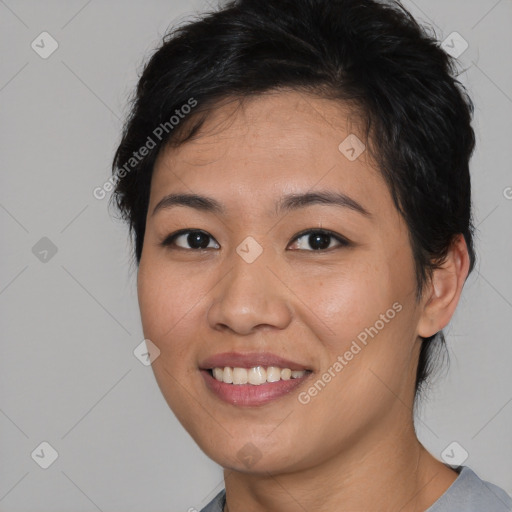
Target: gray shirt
(468, 493)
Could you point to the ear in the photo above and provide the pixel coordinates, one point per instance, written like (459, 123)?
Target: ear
(442, 294)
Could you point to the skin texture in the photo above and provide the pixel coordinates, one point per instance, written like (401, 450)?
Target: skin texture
(353, 446)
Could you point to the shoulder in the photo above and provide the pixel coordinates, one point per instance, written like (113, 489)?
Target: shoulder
(217, 504)
(469, 493)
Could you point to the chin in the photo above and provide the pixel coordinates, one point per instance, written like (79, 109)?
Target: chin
(252, 454)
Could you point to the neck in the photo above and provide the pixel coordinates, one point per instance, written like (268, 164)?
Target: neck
(392, 471)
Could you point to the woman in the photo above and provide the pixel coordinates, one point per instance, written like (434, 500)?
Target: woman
(295, 175)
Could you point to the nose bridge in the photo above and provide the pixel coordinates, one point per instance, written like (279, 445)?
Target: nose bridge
(250, 295)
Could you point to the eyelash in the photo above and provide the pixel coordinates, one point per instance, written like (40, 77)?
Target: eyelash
(343, 242)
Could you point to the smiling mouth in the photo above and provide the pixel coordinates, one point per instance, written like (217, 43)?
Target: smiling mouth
(256, 375)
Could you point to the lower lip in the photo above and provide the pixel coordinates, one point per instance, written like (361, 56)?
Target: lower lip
(250, 394)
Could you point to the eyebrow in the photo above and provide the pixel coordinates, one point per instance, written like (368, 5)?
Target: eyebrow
(285, 204)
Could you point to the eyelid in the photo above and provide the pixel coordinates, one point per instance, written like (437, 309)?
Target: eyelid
(169, 239)
(344, 242)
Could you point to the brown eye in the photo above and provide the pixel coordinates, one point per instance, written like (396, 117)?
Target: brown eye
(190, 239)
(319, 240)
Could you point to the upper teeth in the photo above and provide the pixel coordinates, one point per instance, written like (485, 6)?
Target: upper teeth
(256, 375)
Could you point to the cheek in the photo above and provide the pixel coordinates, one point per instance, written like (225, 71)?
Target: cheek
(350, 300)
(169, 302)
(366, 320)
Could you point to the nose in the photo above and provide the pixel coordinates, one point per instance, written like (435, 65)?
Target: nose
(250, 297)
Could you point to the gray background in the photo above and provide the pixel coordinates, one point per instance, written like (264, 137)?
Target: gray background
(70, 323)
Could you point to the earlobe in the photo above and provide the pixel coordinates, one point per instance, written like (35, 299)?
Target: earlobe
(443, 292)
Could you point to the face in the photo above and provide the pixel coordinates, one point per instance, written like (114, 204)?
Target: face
(294, 257)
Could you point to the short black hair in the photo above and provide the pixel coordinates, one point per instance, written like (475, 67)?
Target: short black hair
(368, 54)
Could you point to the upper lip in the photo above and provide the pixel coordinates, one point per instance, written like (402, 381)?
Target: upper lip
(249, 360)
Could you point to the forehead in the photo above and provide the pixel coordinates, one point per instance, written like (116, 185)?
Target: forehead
(269, 123)
(271, 143)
